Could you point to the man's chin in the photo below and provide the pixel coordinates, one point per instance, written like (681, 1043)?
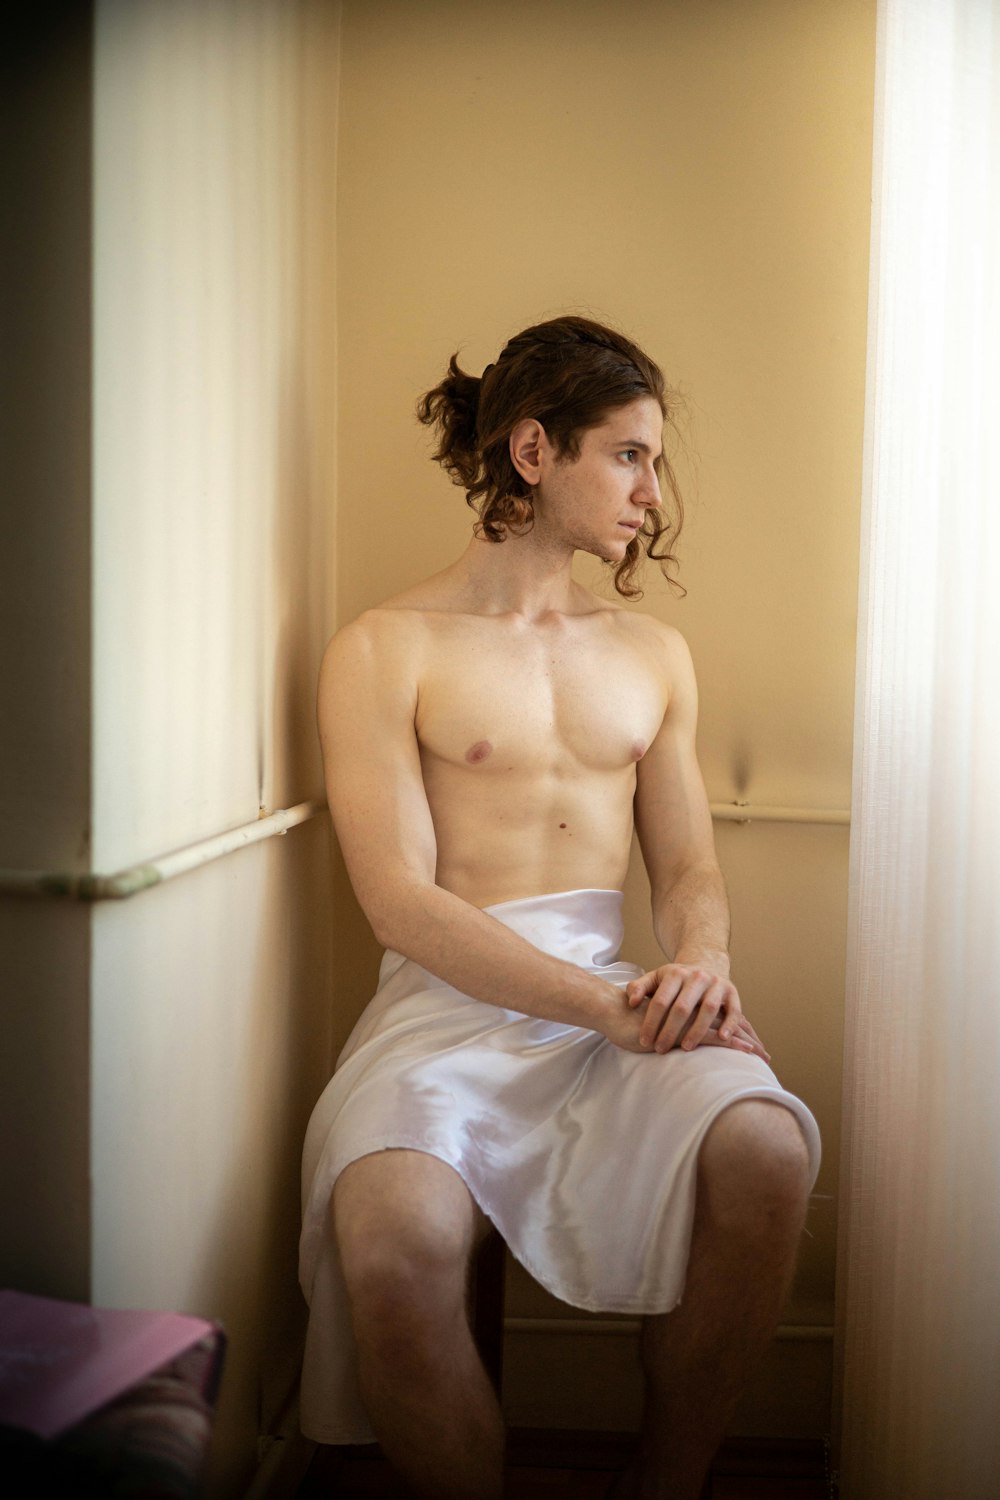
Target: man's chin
(608, 552)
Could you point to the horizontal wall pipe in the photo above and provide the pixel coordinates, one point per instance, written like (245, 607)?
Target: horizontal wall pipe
(125, 883)
(117, 887)
(749, 812)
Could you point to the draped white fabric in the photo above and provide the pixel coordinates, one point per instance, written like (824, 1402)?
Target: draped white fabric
(919, 1265)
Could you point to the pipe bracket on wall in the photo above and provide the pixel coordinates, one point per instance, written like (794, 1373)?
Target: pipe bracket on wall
(749, 812)
(124, 883)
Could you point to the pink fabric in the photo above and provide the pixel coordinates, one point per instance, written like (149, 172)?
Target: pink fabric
(59, 1361)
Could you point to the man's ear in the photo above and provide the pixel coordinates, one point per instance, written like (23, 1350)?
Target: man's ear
(527, 441)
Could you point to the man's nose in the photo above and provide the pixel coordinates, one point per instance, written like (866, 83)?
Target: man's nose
(649, 490)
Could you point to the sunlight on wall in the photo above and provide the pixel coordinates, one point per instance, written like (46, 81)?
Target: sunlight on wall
(214, 401)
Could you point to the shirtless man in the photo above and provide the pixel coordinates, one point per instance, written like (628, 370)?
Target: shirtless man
(490, 735)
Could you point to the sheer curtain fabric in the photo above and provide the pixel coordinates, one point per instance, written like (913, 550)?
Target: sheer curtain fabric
(919, 1266)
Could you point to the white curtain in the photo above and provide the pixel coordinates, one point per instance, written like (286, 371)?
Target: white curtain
(919, 1264)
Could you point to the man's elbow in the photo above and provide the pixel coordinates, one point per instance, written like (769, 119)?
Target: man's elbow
(383, 928)
(383, 920)
(391, 912)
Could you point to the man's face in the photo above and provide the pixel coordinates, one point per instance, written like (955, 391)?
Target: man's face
(597, 501)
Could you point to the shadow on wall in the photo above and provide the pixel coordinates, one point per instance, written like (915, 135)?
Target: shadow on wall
(257, 1296)
(295, 589)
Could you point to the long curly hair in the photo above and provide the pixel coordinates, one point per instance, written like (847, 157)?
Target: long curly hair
(568, 374)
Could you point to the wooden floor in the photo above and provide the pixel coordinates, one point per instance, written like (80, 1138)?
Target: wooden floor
(582, 1466)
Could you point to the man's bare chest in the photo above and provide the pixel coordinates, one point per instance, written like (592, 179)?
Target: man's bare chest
(561, 702)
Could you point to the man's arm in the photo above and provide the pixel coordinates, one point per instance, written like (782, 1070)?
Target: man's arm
(366, 709)
(691, 996)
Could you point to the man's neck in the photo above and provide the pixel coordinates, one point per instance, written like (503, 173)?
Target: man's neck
(520, 575)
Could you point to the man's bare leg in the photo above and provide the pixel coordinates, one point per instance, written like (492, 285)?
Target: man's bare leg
(752, 1189)
(406, 1226)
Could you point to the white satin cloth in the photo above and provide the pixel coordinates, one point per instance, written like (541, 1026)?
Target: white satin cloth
(583, 1155)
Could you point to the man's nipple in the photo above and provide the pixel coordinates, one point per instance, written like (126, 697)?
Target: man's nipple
(479, 751)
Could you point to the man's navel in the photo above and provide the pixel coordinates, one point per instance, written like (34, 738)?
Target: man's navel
(479, 751)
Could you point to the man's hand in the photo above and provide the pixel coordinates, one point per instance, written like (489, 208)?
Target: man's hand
(687, 1006)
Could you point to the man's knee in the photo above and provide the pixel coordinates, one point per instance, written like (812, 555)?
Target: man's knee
(754, 1167)
(407, 1258)
(404, 1250)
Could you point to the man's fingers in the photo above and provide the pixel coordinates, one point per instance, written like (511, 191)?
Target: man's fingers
(637, 990)
(661, 1003)
(686, 998)
(690, 1007)
(747, 1032)
(740, 1041)
(746, 1026)
(708, 1015)
(735, 1044)
(731, 1012)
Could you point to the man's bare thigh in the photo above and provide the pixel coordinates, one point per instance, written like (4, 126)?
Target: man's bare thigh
(409, 1199)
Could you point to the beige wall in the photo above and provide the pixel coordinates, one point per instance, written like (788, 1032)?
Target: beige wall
(214, 157)
(699, 174)
(172, 594)
(210, 1043)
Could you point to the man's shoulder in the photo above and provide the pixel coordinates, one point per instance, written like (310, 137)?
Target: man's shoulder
(382, 633)
(648, 631)
(401, 612)
(399, 619)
